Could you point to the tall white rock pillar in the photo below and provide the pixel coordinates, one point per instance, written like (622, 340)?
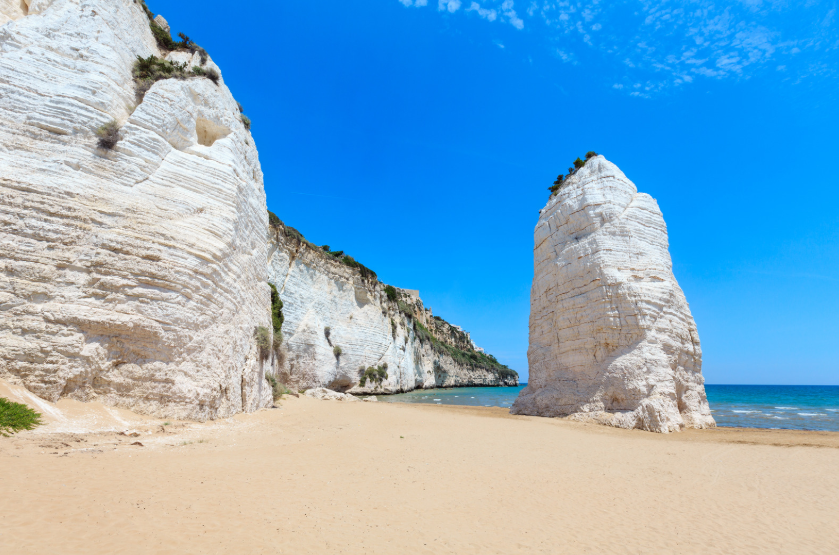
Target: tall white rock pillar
(612, 339)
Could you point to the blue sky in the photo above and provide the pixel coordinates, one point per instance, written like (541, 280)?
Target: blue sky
(421, 136)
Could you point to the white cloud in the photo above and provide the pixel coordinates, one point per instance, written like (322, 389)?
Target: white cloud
(487, 14)
(450, 5)
(671, 43)
(415, 3)
(510, 14)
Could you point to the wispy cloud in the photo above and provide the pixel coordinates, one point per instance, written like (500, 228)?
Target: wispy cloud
(662, 44)
(448, 5)
(488, 14)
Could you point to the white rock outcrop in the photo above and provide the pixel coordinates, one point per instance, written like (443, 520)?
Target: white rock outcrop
(134, 276)
(323, 394)
(329, 305)
(612, 339)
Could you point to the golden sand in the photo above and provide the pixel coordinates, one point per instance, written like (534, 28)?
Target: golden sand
(332, 477)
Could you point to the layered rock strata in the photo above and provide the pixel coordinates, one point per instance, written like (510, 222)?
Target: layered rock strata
(135, 276)
(612, 339)
(331, 308)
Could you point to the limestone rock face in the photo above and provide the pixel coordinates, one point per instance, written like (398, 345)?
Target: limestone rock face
(134, 276)
(328, 304)
(612, 339)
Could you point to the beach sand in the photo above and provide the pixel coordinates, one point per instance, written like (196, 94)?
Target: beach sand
(334, 477)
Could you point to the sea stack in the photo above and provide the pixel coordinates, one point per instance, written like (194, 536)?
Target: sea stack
(133, 227)
(612, 339)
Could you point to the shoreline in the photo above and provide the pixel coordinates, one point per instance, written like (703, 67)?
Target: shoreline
(333, 477)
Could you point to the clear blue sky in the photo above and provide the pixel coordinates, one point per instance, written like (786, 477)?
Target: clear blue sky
(421, 136)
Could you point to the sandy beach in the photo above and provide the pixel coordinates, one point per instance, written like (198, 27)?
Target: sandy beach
(334, 477)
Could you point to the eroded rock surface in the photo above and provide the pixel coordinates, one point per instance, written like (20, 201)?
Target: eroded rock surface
(329, 305)
(134, 276)
(612, 339)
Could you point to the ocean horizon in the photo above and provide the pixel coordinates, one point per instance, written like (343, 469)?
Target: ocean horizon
(784, 407)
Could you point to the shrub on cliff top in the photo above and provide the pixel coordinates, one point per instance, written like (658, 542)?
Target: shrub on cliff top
(352, 263)
(561, 179)
(148, 71)
(15, 417)
(273, 219)
(210, 74)
(390, 291)
(108, 135)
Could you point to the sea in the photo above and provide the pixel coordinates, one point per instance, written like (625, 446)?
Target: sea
(786, 407)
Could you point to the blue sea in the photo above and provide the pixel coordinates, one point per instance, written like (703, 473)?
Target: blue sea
(790, 407)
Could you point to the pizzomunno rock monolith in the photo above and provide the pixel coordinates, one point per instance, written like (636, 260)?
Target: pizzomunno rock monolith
(612, 339)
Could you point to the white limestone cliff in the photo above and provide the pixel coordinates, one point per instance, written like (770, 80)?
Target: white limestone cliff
(612, 339)
(319, 292)
(134, 276)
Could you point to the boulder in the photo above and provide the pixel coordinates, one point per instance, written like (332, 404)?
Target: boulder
(324, 394)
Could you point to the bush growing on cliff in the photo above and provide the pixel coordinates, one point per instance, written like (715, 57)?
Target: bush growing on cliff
(352, 263)
(390, 291)
(264, 340)
(405, 308)
(163, 38)
(273, 219)
(561, 179)
(148, 71)
(108, 135)
(15, 417)
(278, 389)
(210, 74)
(277, 317)
(146, 9)
(336, 350)
(374, 374)
(246, 121)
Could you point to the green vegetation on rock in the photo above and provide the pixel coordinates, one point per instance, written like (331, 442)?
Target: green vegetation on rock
(108, 135)
(148, 71)
(467, 358)
(277, 317)
(373, 374)
(278, 389)
(560, 179)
